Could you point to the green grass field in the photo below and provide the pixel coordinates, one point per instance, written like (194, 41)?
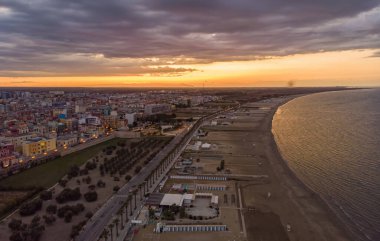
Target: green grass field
(46, 175)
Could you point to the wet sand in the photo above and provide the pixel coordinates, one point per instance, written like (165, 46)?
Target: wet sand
(249, 148)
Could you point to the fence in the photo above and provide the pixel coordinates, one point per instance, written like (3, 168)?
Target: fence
(209, 178)
(194, 228)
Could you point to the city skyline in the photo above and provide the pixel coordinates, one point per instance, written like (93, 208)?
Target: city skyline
(189, 43)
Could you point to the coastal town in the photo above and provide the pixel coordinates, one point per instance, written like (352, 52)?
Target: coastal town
(36, 127)
(148, 165)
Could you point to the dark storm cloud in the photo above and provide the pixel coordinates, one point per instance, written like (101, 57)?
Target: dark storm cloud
(82, 37)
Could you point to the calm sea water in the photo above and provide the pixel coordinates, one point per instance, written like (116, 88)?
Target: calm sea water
(332, 142)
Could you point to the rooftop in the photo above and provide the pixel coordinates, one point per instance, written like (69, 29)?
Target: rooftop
(170, 199)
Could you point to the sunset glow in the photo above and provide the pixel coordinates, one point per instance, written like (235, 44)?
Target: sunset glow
(136, 44)
(352, 68)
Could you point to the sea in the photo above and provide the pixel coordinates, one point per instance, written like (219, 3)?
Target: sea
(331, 141)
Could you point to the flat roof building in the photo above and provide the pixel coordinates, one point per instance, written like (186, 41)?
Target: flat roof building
(170, 199)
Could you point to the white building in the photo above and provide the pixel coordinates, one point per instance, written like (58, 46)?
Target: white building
(130, 117)
(152, 109)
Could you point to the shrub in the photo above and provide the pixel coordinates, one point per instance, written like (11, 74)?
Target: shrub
(128, 177)
(31, 207)
(68, 194)
(116, 188)
(91, 196)
(46, 195)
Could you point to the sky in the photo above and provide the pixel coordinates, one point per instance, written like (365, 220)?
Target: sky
(189, 43)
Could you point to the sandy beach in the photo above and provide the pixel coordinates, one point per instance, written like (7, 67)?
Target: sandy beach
(282, 199)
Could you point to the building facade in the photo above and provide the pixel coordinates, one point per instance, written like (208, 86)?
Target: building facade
(39, 146)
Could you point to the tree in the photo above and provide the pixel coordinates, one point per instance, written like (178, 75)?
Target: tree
(116, 222)
(73, 171)
(140, 186)
(46, 195)
(51, 209)
(22, 231)
(15, 224)
(31, 207)
(68, 194)
(16, 236)
(110, 226)
(130, 204)
(151, 213)
(116, 188)
(68, 216)
(182, 213)
(134, 194)
(90, 165)
(89, 214)
(75, 229)
(74, 210)
(126, 211)
(137, 169)
(105, 234)
(127, 178)
(62, 182)
(91, 196)
(50, 219)
(120, 213)
(101, 183)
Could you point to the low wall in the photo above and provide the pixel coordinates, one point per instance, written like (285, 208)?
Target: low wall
(127, 134)
(87, 144)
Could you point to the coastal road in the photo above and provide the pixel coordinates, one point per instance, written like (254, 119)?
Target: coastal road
(102, 217)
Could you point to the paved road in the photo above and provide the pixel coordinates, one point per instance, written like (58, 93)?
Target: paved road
(102, 217)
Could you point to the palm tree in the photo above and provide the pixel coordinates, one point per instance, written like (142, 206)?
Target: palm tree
(130, 204)
(126, 210)
(150, 180)
(120, 212)
(134, 194)
(140, 185)
(116, 222)
(110, 227)
(145, 186)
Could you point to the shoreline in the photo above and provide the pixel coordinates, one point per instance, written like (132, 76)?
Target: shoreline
(333, 215)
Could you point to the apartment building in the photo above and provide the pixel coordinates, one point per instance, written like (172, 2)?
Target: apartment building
(39, 146)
